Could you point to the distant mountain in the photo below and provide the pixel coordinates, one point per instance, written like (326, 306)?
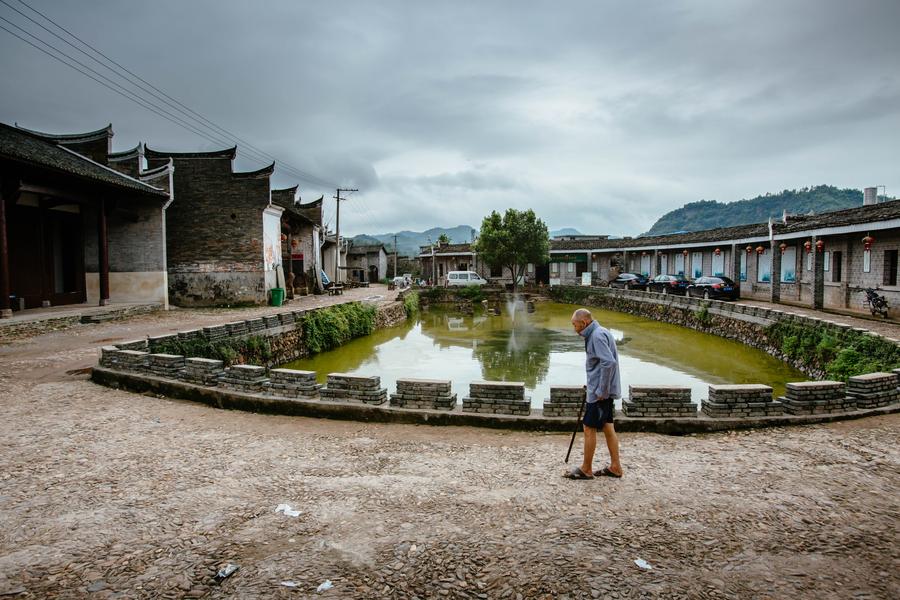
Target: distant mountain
(709, 214)
(564, 231)
(408, 242)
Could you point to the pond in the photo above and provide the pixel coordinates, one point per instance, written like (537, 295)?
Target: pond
(541, 349)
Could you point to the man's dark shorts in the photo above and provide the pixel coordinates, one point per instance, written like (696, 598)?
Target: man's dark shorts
(599, 413)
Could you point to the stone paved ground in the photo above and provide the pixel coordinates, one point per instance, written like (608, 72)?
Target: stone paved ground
(107, 494)
(880, 326)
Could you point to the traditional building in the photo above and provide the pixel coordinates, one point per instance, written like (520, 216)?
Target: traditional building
(78, 223)
(366, 262)
(301, 228)
(223, 231)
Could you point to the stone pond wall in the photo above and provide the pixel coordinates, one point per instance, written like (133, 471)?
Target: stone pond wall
(739, 322)
(281, 332)
(140, 366)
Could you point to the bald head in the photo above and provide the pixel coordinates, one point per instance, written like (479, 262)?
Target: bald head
(581, 318)
(582, 314)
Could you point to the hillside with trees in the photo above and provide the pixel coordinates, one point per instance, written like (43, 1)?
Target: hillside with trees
(708, 214)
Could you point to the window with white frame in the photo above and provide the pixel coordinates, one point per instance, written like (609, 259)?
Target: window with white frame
(827, 256)
(809, 261)
(789, 265)
(718, 264)
(679, 264)
(743, 266)
(867, 261)
(764, 267)
(697, 264)
(531, 267)
(570, 267)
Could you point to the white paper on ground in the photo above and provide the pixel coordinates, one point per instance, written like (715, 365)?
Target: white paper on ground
(288, 584)
(326, 585)
(286, 509)
(643, 564)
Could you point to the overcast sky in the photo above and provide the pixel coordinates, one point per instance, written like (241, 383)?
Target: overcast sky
(598, 115)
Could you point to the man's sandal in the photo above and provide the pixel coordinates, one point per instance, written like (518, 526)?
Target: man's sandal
(577, 473)
(605, 472)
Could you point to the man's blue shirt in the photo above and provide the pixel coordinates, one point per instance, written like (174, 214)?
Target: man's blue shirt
(602, 364)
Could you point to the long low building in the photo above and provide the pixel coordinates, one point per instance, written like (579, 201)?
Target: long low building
(823, 260)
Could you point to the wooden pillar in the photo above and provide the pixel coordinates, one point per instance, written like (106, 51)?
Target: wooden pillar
(818, 291)
(9, 192)
(775, 279)
(103, 252)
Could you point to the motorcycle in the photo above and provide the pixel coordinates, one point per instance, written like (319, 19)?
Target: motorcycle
(877, 304)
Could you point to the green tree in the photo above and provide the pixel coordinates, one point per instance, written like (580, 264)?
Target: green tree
(443, 239)
(513, 240)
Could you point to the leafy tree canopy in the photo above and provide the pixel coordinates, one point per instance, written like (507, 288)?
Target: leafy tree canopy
(443, 239)
(513, 240)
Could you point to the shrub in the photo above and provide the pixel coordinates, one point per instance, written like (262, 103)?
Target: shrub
(330, 327)
(254, 349)
(411, 303)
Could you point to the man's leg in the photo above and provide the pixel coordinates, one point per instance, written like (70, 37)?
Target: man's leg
(612, 443)
(590, 445)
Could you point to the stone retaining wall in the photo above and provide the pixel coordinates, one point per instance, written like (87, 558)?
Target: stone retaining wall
(359, 388)
(817, 397)
(732, 320)
(433, 394)
(496, 397)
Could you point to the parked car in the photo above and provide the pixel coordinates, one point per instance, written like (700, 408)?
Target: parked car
(720, 288)
(669, 284)
(464, 278)
(630, 281)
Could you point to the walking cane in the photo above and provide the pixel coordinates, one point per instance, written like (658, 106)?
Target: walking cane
(577, 424)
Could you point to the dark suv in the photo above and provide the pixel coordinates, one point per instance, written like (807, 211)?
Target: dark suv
(720, 288)
(669, 284)
(630, 281)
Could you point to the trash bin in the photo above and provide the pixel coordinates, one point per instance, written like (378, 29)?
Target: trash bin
(277, 296)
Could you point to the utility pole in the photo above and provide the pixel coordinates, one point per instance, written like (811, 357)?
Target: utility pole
(337, 233)
(395, 255)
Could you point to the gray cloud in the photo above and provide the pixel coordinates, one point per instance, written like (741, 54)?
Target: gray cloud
(599, 115)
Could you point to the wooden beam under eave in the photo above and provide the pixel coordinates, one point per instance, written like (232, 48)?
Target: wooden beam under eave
(10, 189)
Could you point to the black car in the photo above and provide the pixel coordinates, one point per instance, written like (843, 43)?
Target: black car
(669, 284)
(630, 281)
(720, 288)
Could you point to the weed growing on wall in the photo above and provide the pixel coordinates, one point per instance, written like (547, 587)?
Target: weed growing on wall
(330, 327)
(702, 314)
(411, 303)
(255, 349)
(473, 293)
(841, 354)
(435, 294)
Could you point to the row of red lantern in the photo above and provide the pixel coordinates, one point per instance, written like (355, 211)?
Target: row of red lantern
(807, 245)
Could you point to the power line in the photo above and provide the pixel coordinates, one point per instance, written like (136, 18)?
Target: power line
(201, 126)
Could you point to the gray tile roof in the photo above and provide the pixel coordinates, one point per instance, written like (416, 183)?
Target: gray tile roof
(21, 146)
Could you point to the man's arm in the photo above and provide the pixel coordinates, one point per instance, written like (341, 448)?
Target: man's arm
(607, 363)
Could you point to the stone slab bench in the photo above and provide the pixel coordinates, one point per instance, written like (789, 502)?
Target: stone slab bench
(740, 401)
(245, 378)
(816, 397)
(497, 397)
(564, 401)
(346, 387)
(431, 394)
(659, 401)
(874, 390)
(204, 371)
(293, 383)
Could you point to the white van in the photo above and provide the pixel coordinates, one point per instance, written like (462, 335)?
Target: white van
(464, 278)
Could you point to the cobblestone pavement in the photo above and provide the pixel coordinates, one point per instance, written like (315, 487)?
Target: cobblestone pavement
(108, 494)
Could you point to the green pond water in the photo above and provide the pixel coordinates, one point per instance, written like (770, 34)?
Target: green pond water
(541, 349)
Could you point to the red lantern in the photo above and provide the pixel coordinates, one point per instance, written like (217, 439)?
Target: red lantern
(749, 248)
(644, 254)
(807, 245)
(760, 249)
(868, 241)
(783, 247)
(820, 245)
(684, 253)
(717, 251)
(283, 237)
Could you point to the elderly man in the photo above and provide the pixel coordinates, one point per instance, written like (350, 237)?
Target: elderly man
(602, 366)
